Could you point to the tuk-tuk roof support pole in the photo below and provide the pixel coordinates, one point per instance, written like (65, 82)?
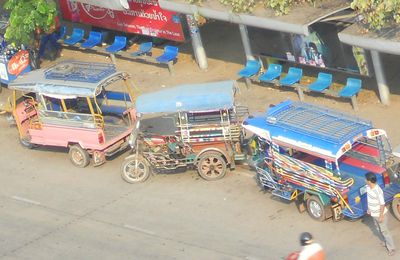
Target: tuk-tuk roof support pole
(14, 102)
(129, 90)
(384, 92)
(63, 105)
(15, 114)
(90, 105)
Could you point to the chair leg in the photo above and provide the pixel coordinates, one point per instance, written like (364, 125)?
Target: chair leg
(112, 57)
(300, 92)
(354, 102)
(171, 67)
(248, 82)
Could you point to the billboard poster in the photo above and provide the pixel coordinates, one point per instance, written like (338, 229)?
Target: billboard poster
(310, 50)
(317, 50)
(143, 17)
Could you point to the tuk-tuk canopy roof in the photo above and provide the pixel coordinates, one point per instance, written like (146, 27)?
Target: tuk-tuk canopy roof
(68, 79)
(317, 129)
(190, 97)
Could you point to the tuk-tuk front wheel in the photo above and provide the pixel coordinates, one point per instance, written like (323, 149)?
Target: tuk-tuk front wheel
(135, 169)
(315, 208)
(211, 166)
(79, 156)
(25, 142)
(396, 207)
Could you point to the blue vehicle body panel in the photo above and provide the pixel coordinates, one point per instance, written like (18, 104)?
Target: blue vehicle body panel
(191, 97)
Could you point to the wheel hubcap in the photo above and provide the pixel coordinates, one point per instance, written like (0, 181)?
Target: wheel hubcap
(212, 167)
(77, 157)
(135, 170)
(315, 209)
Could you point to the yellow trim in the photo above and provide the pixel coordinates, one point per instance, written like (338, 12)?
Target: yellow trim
(14, 104)
(345, 203)
(397, 195)
(294, 195)
(90, 105)
(63, 105)
(129, 90)
(97, 106)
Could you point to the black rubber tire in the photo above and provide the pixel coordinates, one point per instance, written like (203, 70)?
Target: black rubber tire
(211, 166)
(316, 209)
(130, 175)
(25, 142)
(396, 208)
(79, 156)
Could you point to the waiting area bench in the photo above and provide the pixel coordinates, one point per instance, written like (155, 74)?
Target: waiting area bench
(293, 78)
(118, 48)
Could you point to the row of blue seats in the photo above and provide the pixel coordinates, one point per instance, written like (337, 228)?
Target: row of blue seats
(120, 43)
(294, 75)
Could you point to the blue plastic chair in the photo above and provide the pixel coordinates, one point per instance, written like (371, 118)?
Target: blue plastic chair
(170, 54)
(76, 36)
(273, 72)
(324, 81)
(94, 39)
(294, 75)
(144, 49)
(252, 68)
(353, 86)
(118, 44)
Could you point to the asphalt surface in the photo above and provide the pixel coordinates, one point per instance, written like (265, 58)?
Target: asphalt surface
(51, 210)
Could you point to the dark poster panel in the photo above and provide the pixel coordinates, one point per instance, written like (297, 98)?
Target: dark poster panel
(322, 48)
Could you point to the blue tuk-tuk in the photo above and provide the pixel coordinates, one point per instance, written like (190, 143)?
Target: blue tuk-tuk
(197, 125)
(318, 158)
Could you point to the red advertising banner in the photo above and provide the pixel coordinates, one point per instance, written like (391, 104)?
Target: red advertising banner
(18, 62)
(143, 17)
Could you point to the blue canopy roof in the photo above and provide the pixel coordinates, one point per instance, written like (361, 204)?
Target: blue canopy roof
(191, 97)
(317, 129)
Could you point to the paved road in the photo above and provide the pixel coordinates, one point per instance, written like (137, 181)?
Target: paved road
(52, 210)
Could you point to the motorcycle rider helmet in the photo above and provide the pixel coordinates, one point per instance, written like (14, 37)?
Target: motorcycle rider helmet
(305, 238)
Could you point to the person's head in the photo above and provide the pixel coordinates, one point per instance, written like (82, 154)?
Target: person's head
(306, 238)
(370, 178)
(313, 46)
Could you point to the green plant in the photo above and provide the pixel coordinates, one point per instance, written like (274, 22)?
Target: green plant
(240, 6)
(28, 17)
(377, 14)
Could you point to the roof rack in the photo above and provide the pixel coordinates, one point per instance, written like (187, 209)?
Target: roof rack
(80, 71)
(318, 122)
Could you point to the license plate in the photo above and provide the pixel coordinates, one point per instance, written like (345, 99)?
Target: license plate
(337, 212)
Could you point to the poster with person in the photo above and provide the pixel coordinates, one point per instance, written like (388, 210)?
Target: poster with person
(310, 50)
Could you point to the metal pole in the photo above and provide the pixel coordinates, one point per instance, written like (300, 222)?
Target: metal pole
(198, 49)
(384, 92)
(246, 42)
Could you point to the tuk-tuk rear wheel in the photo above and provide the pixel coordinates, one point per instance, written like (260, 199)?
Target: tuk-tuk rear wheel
(79, 156)
(211, 166)
(315, 208)
(396, 208)
(135, 169)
